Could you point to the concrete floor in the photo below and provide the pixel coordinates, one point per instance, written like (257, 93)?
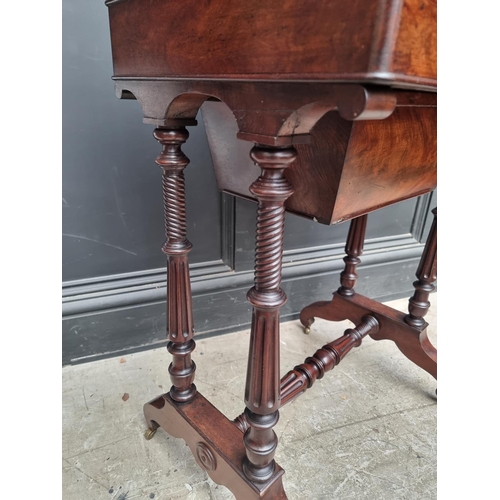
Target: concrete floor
(367, 430)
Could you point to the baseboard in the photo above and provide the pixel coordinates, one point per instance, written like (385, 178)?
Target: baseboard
(116, 315)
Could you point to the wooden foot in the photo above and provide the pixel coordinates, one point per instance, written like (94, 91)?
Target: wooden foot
(416, 346)
(324, 309)
(216, 444)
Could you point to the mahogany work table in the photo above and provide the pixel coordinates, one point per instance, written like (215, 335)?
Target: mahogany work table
(339, 101)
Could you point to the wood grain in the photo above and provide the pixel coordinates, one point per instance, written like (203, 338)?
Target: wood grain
(388, 161)
(262, 389)
(410, 54)
(331, 40)
(180, 327)
(315, 86)
(215, 442)
(348, 168)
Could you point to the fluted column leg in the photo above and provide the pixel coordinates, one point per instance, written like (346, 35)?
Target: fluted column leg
(427, 274)
(353, 249)
(262, 391)
(180, 328)
(348, 277)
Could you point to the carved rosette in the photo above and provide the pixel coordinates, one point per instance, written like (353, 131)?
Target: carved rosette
(427, 274)
(353, 249)
(180, 329)
(206, 457)
(262, 391)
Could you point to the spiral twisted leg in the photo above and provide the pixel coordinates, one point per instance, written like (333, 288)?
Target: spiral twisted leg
(174, 205)
(180, 328)
(262, 391)
(269, 247)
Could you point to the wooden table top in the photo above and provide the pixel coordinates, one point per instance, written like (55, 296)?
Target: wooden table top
(389, 42)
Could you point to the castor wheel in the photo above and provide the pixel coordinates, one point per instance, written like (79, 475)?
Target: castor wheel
(149, 433)
(307, 325)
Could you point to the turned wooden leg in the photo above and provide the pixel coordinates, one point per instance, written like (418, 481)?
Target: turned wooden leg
(427, 274)
(245, 466)
(353, 249)
(262, 391)
(180, 328)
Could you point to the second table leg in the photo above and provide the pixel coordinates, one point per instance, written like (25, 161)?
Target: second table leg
(427, 274)
(180, 329)
(262, 391)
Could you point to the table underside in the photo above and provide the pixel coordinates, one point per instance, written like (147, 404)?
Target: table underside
(360, 147)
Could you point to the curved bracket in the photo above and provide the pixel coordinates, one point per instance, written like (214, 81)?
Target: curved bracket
(274, 114)
(353, 102)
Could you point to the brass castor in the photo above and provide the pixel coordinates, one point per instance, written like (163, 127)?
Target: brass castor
(307, 325)
(149, 433)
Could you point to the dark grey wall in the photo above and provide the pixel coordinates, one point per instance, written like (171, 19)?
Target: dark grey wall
(112, 205)
(113, 269)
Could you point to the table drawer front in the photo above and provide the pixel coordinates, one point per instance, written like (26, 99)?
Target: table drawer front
(348, 169)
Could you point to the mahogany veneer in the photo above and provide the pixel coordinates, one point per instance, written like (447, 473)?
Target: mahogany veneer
(349, 168)
(378, 41)
(335, 103)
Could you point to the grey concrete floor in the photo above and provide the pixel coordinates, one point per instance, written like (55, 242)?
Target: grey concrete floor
(367, 430)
